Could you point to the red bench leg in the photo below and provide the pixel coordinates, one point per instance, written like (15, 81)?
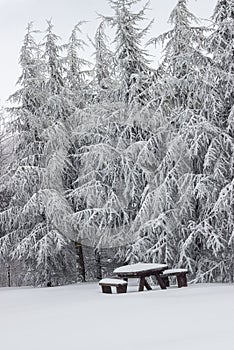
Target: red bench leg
(185, 280)
(161, 281)
(121, 289)
(144, 283)
(166, 280)
(106, 289)
(182, 280)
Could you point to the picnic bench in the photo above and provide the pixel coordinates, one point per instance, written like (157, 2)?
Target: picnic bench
(107, 283)
(180, 275)
(141, 271)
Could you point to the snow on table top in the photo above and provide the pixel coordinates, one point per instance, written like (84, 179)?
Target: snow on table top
(139, 267)
(167, 272)
(112, 281)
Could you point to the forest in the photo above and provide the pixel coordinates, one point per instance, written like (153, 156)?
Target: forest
(118, 160)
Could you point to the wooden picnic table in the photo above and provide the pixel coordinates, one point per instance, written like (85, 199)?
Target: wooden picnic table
(141, 271)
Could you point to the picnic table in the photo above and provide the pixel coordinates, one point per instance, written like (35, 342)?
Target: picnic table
(141, 271)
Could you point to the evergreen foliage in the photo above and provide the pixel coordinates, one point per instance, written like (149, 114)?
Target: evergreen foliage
(132, 63)
(34, 218)
(111, 180)
(104, 58)
(75, 68)
(121, 154)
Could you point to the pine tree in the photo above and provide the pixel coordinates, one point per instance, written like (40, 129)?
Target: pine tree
(132, 62)
(110, 182)
(169, 205)
(104, 65)
(76, 68)
(210, 144)
(220, 46)
(80, 94)
(182, 61)
(5, 141)
(5, 156)
(216, 230)
(186, 218)
(34, 221)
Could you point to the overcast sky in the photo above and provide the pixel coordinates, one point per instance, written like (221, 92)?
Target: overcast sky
(15, 14)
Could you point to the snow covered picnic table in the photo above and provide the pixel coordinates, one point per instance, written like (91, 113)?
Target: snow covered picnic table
(141, 271)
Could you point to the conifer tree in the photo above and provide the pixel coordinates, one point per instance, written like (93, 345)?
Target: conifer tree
(76, 68)
(80, 95)
(34, 221)
(182, 63)
(217, 227)
(5, 156)
(169, 206)
(104, 65)
(132, 62)
(186, 218)
(220, 46)
(110, 181)
(210, 144)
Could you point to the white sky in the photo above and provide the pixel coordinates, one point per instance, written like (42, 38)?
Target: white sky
(15, 14)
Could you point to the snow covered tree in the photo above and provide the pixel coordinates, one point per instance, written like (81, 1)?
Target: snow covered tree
(186, 216)
(111, 179)
(132, 62)
(5, 141)
(76, 68)
(34, 221)
(218, 224)
(169, 204)
(103, 72)
(5, 157)
(80, 94)
(131, 156)
(182, 65)
(220, 46)
(209, 140)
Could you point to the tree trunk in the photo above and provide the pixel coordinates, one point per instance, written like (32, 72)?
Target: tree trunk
(98, 263)
(8, 275)
(80, 260)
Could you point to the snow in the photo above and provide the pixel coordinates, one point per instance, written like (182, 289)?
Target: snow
(139, 267)
(170, 271)
(79, 316)
(112, 281)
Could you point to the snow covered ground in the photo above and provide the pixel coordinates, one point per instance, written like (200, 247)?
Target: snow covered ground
(80, 317)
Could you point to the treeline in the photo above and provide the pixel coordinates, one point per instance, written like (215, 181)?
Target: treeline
(120, 155)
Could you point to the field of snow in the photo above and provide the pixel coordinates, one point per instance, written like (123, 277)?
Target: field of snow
(79, 316)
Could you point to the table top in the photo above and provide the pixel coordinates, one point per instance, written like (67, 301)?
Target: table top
(140, 267)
